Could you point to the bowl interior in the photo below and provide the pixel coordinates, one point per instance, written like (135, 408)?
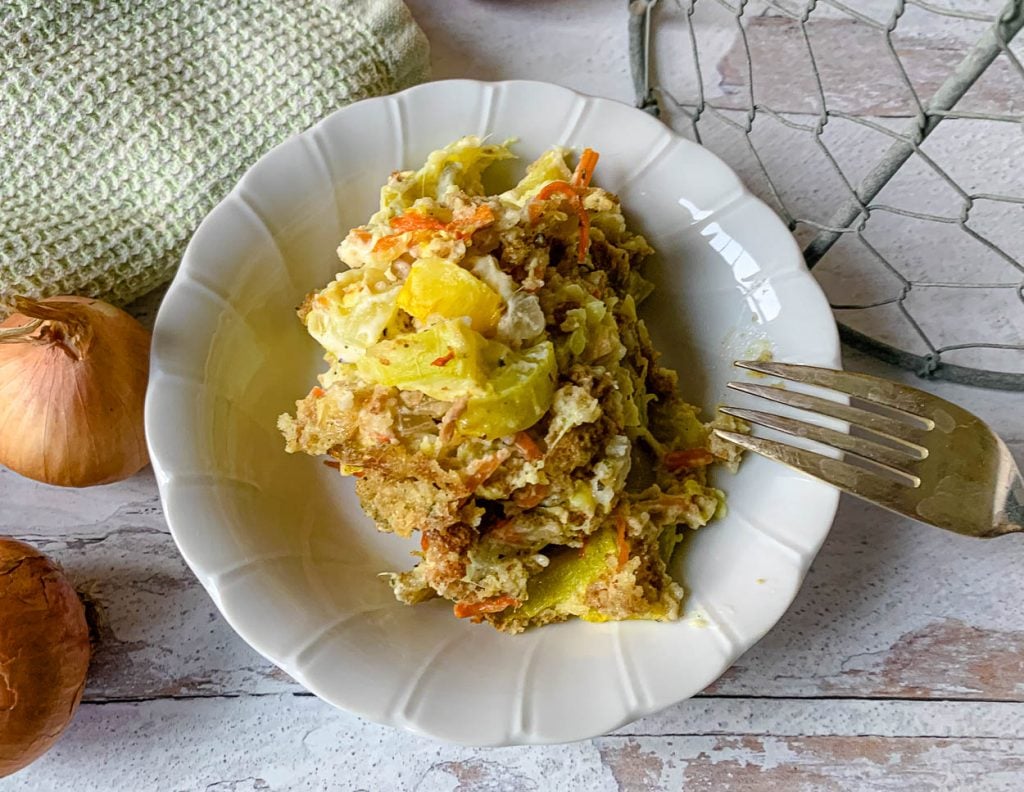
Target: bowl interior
(280, 540)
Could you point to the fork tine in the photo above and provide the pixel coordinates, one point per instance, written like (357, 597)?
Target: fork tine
(895, 460)
(849, 478)
(907, 400)
(880, 424)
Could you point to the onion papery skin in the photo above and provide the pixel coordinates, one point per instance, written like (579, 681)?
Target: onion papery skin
(76, 421)
(44, 654)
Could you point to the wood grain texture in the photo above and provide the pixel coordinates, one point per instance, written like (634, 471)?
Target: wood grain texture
(284, 742)
(803, 167)
(890, 609)
(814, 764)
(157, 632)
(897, 668)
(857, 70)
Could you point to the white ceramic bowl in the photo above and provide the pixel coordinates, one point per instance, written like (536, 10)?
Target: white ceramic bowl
(280, 542)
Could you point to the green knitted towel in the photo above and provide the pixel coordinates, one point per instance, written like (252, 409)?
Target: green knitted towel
(122, 123)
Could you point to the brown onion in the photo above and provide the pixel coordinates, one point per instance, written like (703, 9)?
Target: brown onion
(44, 654)
(73, 375)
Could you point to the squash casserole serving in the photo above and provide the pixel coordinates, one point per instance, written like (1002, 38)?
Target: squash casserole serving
(492, 390)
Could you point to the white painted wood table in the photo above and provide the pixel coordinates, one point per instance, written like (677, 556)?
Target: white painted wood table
(899, 666)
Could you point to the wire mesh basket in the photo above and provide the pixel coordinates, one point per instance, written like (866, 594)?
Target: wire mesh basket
(888, 135)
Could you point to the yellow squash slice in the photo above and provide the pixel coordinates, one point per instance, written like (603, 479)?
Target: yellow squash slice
(435, 287)
(519, 391)
(351, 312)
(445, 361)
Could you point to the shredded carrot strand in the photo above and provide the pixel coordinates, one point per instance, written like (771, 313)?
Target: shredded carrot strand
(584, 234)
(465, 226)
(317, 392)
(444, 359)
(687, 459)
(420, 225)
(414, 221)
(416, 233)
(424, 542)
(333, 463)
(492, 605)
(545, 192)
(566, 189)
(553, 187)
(620, 539)
(484, 470)
(528, 446)
(500, 525)
(585, 168)
(530, 495)
(385, 243)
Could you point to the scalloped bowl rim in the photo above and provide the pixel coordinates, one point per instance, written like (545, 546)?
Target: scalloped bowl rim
(158, 433)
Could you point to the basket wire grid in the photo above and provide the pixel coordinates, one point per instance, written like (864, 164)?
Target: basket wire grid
(786, 29)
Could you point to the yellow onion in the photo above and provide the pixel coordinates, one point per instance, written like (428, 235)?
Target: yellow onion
(44, 654)
(73, 375)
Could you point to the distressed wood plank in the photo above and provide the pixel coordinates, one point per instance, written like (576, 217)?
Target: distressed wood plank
(805, 171)
(857, 70)
(858, 74)
(813, 764)
(887, 610)
(890, 608)
(157, 632)
(897, 610)
(795, 717)
(536, 43)
(283, 742)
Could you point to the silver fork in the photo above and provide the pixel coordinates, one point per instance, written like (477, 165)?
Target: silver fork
(927, 458)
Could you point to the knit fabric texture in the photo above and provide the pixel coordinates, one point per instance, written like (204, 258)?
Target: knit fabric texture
(122, 123)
